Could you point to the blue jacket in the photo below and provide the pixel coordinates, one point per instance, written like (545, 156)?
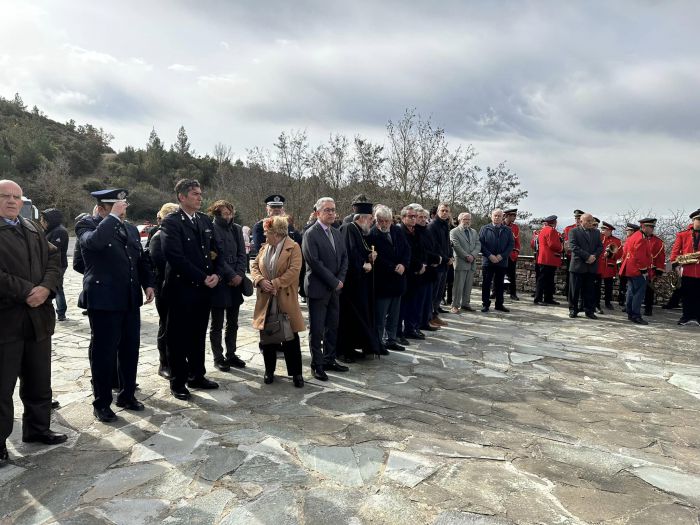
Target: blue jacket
(115, 266)
(496, 240)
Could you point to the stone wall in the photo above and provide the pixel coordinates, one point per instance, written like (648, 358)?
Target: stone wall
(526, 279)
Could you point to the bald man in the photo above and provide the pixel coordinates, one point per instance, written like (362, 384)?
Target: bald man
(586, 247)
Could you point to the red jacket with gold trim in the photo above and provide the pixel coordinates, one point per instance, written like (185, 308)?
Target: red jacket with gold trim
(516, 235)
(550, 245)
(607, 266)
(636, 255)
(687, 242)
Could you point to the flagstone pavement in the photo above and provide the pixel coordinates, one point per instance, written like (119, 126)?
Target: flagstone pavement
(527, 417)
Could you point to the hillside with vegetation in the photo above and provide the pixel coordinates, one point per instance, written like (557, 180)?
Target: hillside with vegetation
(58, 164)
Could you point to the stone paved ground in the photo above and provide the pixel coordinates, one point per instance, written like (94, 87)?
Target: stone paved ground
(525, 418)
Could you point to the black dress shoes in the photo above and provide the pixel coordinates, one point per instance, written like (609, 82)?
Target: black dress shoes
(502, 309)
(591, 315)
(383, 350)
(47, 438)
(55, 404)
(180, 392)
(485, 309)
(106, 415)
(222, 366)
(395, 346)
(268, 378)
(298, 381)
(514, 298)
(4, 456)
(203, 384)
(639, 320)
(573, 314)
(320, 374)
(336, 367)
(131, 404)
(236, 361)
(164, 372)
(347, 359)
(404, 341)
(413, 335)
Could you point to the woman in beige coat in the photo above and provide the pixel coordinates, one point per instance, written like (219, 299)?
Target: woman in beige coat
(275, 272)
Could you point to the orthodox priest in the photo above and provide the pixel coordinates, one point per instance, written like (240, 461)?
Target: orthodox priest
(356, 328)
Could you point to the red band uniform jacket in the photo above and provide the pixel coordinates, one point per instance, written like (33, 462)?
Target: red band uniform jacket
(550, 247)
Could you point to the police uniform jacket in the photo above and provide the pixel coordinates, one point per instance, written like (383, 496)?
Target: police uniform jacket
(115, 267)
(26, 260)
(188, 249)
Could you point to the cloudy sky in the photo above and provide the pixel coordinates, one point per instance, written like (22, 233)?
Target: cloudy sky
(594, 104)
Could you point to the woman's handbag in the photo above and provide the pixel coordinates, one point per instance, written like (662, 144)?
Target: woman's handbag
(247, 286)
(278, 327)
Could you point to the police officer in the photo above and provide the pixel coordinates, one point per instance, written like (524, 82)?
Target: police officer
(195, 265)
(115, 272)
(274, 205)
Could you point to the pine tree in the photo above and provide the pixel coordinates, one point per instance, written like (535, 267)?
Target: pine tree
(182, 145)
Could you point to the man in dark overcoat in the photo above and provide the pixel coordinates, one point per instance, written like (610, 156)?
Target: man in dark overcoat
(30, 273)
(586, 247)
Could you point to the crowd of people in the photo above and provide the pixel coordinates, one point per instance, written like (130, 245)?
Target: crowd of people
(373, 282)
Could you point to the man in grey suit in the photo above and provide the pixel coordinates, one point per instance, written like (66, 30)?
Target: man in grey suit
(586, 246)
(326, 266)
(466, 246)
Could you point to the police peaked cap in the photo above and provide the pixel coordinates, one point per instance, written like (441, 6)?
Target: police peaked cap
(631, 226)
(695, 214)
(608, 226)
(551, 218)
(512, 211)
(110, 196)
(275, 201)
(648, 220)
(578, 213)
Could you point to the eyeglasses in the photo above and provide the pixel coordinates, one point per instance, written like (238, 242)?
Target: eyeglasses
(328, 210)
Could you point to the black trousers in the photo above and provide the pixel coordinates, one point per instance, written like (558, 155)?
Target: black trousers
(323, 329)
(30, 361)
(115, 342)
(649, 298)
(231, 333)
(162, 337)
(292, 356)
(582, 287)
(188, 317)
(690, 291)
(512, 287)
(545, 287)
(622, 291)
(496, 274)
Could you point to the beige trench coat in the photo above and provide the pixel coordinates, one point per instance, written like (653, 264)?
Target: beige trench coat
(286, 283)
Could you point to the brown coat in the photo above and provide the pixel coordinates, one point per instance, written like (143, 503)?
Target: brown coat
(287, 267)
(20, 271)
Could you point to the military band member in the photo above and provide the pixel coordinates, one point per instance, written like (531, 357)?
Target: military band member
(274, 205)
(630, 228)
(549, 252)
(658, 267)
(509, 220)
(116, 270)
(607, 264)
(685, 257)
(636, 263)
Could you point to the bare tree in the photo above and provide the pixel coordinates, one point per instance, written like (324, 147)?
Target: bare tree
(499, 188)
(292, 162)
(431, 146)
(457, 183)
(329, 162)
(403, 155)
(367, 163)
